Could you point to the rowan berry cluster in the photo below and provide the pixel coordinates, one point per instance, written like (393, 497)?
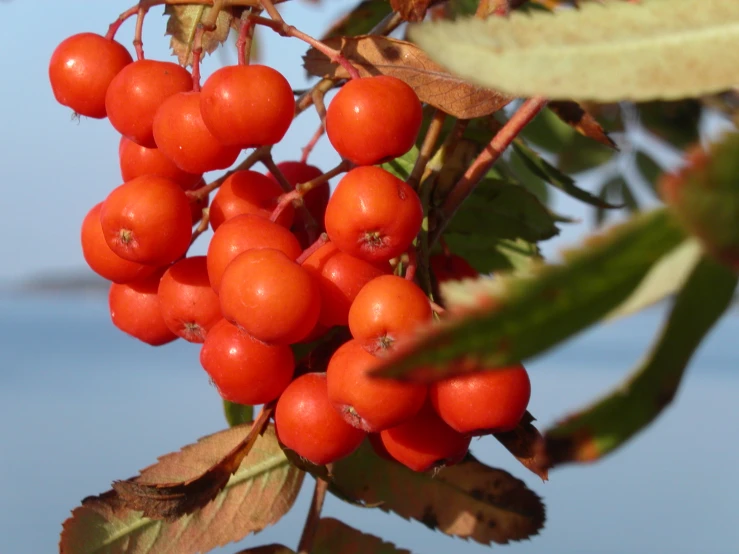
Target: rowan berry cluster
(276, 274)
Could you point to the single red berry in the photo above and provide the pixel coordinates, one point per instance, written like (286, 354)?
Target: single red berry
(189, 306)
(137, 160)
(425, 442)
(243, 369)
(340, 277)
(483, 402)
(245, 232)
(81, 69)
(371, 404)
(101, 259)
(247, 105)
(451, 267)
(137, 92)
(181, 135)
(386, 309)
(270, 296)
(134, 309)
(307, 423)
(373, 120)
(248, 192)
(147, 220)
(373, 215)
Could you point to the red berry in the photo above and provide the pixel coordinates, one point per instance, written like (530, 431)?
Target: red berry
(374, 119)
(101, 259)
(134, 309)
(307, 423)
(425, 442)
(451, 267)
(81, 69)
(270, 296)
(137, 160)
(147, 220)
(340, 277)
(243, 369)
(373, 215)
(189, 306)
(136, 94)
(386, 309)
(247, 105)
(245, 232)
(316, 199)
(371, 404)
(483, 402)
(181, 135)
(248, 192)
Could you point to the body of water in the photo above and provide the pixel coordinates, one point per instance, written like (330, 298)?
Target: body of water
(81, 405)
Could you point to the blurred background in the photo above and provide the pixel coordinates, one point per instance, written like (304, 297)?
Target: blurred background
(82, 405)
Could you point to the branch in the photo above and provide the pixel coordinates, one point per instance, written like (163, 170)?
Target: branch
(314, 516)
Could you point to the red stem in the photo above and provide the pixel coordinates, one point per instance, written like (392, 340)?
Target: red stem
(308, 252)
(113, 28)
(244, 39)
(308, 148)
(284, 201)
(138, 42)
(410, 271)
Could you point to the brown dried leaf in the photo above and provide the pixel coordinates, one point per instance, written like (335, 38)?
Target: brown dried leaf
(523, 443)
(181, 482)
(411, 10)
(183, 23)
(576, 117)
(262, 490)
(468, 500)
(373, 55)
(268, 549)
(335, 536)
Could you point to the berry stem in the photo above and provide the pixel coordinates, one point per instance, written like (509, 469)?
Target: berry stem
(113, 28)
(427, 148)
(286, 30)
(308, 252)
(138, 42)
(206, 24)
(410, 271)
(202, 225)
(436, 308)
(244, 42)
(284, 201)
(308, 148)
(314, 515)
(258, 155)
(485, 160)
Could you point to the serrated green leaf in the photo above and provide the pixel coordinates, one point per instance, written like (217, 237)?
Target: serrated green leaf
(468, 500)
(505, 320)
(261, 491)
(401, 167)
(609, 52)
(236, 414)
(360, 20)
(539, 166)
(580, 154)
(503, 210)
(334, 536)
(607, 425)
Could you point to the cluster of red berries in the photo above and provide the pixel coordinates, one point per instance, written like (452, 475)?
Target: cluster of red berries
(263, 287)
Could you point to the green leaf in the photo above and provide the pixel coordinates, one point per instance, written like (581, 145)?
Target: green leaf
(468, 500)
(616, 189)
(609, 52)
(666, 277)
(649, 170)
(261, 491)
(500, 209)
(539, 166)
(608, 424)
(518, 171)
(579, 154)
(492, 254)
(360, 20)
(401, 167)
(674, 122)
(508, 319)
(333, 537)
(236, 414)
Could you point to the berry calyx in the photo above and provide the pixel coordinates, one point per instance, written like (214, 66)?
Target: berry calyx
(181, 135)
(243, 369)
(368, 403)
(307, 423)
(270, 296)
(189, 306)
(373, 215)
(247, 105)
(483, 402)
(373, 120)
(137, 92)
(81, 70)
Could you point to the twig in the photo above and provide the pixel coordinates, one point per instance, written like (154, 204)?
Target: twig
(207, 24)
(252, 159)
(308, 148)
(314, 515)
(244, 42)
(308, 252)
(485, 160)
(113, 28)
(427, 148)
(138, 42)
(202, 226)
